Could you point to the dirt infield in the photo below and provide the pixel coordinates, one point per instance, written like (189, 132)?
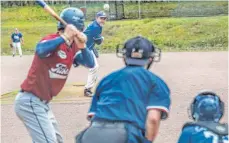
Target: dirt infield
(185, 74)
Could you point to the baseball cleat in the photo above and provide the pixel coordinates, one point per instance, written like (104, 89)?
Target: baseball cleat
(88, 93)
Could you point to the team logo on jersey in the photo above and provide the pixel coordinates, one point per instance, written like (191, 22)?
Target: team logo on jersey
(16, 37)
(221, 128)
(60, 71)
(62, 54)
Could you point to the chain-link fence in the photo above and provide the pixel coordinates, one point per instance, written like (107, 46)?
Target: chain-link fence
(150, 9)
(138, 9)
(90, 8)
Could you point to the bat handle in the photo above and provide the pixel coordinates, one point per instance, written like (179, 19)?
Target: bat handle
(41, 3)
(50, 10)
(53, 13)
(62, 21)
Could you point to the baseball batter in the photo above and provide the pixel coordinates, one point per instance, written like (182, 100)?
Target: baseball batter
(48, 73)
(16, 41)
(93, 32)
(129, 103)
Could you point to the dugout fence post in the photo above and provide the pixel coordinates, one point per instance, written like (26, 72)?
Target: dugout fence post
(139, 9)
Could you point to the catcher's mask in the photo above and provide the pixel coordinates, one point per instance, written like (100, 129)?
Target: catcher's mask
(138, 51)
(206, 106)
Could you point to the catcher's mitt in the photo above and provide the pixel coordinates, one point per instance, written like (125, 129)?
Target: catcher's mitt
(11, 45)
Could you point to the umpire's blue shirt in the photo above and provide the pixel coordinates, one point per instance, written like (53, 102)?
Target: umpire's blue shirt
(127, 94)
(93, 32)
(197, 134)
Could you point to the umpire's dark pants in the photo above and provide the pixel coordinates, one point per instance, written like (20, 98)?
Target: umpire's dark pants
(105, 132)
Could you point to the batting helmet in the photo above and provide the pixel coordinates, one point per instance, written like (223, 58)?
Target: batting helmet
(137, 51)
(207, 106)
(72, 16)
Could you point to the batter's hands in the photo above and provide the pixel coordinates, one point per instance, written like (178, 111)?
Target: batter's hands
(70, 32)
(80, 44)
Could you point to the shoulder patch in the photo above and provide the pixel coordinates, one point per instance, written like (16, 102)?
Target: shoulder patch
(62, 54)
(221, 128)
(217, 128)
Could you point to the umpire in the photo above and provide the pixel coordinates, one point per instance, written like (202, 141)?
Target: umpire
(129, 103)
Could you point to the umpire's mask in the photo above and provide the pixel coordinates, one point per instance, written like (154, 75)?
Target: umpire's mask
(139, 51)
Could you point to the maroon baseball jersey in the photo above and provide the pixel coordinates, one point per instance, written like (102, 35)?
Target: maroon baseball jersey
(47, 76)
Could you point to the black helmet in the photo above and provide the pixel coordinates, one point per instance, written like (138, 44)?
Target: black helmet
(138, 50)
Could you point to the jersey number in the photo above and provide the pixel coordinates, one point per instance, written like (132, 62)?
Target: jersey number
(214, 137)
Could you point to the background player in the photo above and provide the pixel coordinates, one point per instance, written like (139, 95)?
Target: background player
(93, 32)
(206, 110)
(48, 73)
(129, 103)
(17, 41)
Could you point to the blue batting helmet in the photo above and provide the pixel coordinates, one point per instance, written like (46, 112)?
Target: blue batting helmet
(207, 106)
(72, 16)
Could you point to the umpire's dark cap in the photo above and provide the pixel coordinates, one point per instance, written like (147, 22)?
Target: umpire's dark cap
(138, 51)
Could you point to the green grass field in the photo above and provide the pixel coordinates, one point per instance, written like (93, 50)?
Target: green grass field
(169, 34)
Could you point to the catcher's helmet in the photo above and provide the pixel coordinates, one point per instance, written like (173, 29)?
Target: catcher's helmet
(207, 106)
(72, 16)
(137, 51)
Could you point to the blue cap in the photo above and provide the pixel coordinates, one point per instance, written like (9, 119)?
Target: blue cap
(138, 51)
(101, 14)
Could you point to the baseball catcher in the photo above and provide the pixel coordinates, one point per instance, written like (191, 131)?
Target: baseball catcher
(206, 110)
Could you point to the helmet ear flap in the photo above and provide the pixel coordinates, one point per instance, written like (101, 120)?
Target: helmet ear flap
(221, 107)
(155, 56)
(221, 104)
(192, 108)
(120, 50)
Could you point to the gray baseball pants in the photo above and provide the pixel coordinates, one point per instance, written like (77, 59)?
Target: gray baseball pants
(37, 118)
(105, 132)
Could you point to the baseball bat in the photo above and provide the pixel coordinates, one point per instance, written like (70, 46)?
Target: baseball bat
(57, 17)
